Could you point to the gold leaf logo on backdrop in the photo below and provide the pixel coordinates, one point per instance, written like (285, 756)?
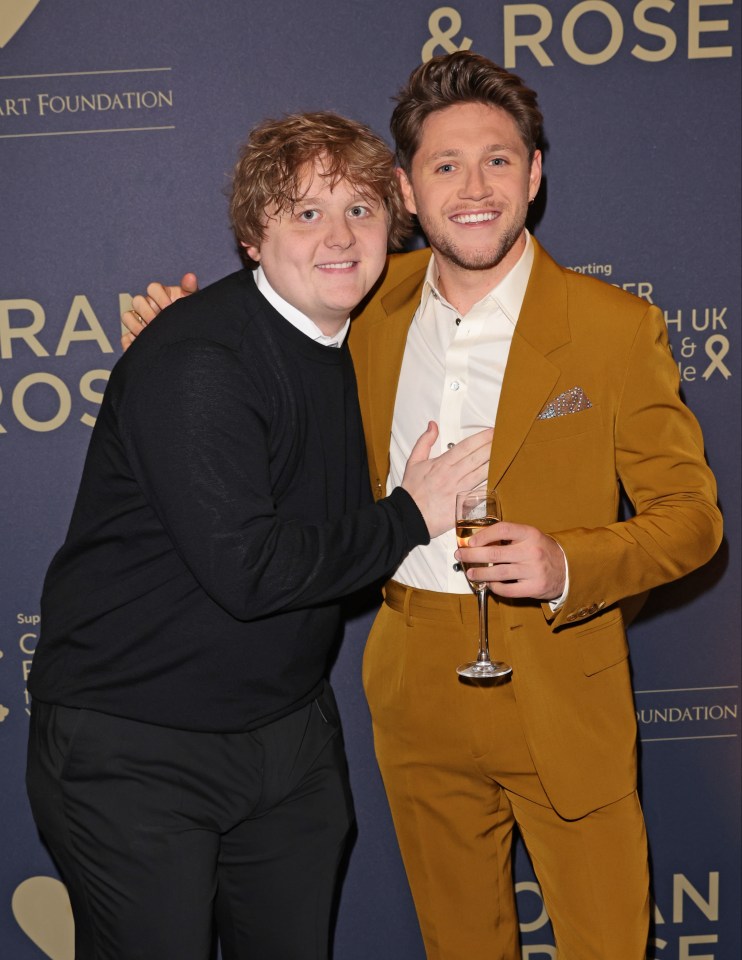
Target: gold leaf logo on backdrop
(13, 14)
(41, 907)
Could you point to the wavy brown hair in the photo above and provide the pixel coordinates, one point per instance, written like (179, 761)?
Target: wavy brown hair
(278, 153)
(461, 77)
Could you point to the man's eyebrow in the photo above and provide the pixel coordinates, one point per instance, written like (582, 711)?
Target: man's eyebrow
(453, 152)
(440, 154)
(318, 201)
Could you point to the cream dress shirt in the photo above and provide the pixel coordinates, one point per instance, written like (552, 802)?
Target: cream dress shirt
(452, 373)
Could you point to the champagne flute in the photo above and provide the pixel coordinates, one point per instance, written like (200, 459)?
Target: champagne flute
(476, 509)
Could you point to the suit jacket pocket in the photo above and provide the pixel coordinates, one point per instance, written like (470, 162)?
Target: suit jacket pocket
(569, 425)
(603, 644)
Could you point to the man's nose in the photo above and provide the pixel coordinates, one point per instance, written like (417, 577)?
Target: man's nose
(340, 233)
(475, 186)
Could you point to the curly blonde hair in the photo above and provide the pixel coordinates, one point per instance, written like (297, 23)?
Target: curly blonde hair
(278, 153)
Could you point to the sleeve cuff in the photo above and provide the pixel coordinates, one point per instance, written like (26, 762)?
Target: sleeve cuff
(412, 520)
(555, 605)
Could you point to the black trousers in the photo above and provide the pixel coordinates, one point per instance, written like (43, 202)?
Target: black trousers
(159, 833)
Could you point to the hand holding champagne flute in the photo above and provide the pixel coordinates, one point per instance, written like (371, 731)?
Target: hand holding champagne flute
(476, 509)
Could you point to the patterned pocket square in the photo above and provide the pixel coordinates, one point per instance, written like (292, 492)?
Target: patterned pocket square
(571, 401)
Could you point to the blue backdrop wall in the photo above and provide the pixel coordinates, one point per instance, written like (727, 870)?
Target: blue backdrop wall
(119, 124)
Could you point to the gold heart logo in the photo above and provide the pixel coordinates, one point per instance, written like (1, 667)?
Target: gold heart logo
(13, 14)
(42, 910)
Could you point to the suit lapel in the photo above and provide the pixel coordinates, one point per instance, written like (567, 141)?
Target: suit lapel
(530, 376)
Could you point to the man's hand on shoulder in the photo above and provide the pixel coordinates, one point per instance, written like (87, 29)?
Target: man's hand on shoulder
(145, 307)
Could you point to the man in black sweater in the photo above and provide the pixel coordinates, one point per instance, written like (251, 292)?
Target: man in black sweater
(185, 756)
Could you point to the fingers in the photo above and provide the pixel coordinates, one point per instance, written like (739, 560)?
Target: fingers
(143, 310)
(161, 296)
(424, 444)
(499, 534)
(474, 450)
(189, 283)
(126, 341)
(499, 583)
(134, 323)
(472, 459)
(145, 307)
(516, 561)
(476, 444)
(158, 297)
(434, 483)
(466, 465)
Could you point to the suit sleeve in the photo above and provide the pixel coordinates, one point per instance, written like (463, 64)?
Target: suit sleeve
(660, 462)
(197, 438)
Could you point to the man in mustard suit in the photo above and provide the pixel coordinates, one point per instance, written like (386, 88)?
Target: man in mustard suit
(583, 391)
(578, 380)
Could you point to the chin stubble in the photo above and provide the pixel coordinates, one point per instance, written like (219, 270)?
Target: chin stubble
(474, 259)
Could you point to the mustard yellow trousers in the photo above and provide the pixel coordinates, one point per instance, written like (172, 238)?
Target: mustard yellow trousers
(459, 779)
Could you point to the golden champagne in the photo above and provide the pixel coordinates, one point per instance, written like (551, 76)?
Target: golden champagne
(467, 528)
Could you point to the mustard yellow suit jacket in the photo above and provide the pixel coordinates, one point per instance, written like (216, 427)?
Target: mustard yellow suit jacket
(562, 475)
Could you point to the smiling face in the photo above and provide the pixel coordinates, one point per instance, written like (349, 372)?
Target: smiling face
(325, 254)
(470, 182)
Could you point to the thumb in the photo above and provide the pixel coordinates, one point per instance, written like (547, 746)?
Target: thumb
(424, 444)
(189, 283)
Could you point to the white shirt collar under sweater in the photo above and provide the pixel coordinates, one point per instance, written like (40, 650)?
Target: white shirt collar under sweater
(295, 317)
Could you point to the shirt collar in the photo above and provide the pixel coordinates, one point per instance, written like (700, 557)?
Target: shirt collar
(508, 294)
(295, 317)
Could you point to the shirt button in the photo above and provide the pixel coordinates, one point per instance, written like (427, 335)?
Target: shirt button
(455, 385)
(450, 446)
(458, 321)
(457, 567)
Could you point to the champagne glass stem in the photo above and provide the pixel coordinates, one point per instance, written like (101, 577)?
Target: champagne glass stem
(484, 651)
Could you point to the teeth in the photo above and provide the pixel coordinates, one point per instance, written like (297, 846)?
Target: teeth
(337, 266)
(474, 217)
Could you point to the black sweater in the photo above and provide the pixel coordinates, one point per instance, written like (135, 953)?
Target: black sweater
(224, 507)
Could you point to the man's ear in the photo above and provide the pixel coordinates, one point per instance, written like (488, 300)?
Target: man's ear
(534, 177)
(407, 192)
(251, 250)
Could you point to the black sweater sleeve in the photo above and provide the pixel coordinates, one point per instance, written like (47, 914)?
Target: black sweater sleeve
(198, 439)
